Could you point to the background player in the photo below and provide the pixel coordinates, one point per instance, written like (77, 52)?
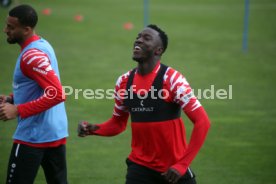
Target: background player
(37, 103)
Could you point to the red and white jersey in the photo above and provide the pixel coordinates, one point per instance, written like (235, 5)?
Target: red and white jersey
(160, 145)
(176, 84)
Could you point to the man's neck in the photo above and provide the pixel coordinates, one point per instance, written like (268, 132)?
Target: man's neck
(147, 67)
(25, 39)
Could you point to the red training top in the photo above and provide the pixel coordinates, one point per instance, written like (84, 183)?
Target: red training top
(160, 145)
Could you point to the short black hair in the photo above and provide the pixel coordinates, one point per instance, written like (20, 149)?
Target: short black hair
(26, 15)
(162, 34)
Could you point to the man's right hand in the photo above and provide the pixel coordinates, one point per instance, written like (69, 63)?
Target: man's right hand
(85, 128)
(5, 99)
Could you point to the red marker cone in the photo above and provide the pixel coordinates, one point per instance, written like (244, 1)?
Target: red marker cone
(78, 18)
(128, 26)
(46, 11)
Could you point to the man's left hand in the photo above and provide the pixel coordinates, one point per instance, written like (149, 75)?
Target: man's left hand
(172, 175)
(8, 111)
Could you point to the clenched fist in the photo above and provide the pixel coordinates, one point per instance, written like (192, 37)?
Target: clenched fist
(85, 128)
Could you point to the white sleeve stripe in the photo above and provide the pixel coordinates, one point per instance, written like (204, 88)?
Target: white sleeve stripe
(178, 80)
(116, 114)
(44, 63)
(117, 98)
(181, 90)
(37, 53)
(31, 50)
(49, 68)
(172, 77)
(167, 70)
(117, 95)
(196, 105)
(120, 79)
(34, 58)
(181, 80)
(166, 75)
(32, 54)
(182, 106)
(31, 60)
(185, 100)
(120, 107)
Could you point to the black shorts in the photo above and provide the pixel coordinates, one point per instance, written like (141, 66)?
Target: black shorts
(138, 174)
(25, 161)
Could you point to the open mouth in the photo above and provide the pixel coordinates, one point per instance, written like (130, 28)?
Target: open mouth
(137, 48)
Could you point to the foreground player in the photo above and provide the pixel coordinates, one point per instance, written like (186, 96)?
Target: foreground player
(36, 102)
(154, 94)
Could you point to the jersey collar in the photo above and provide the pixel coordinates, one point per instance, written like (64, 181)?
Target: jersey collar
(155, 69)
(29, 40)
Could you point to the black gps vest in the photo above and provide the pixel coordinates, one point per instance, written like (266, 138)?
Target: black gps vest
(151, 107)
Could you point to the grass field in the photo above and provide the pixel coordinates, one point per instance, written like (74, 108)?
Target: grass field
(205, 44)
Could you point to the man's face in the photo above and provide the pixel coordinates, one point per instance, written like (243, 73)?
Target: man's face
(146, 45)
(14, 30)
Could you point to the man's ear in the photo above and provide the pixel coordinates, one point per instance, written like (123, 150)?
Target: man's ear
(28, 30)
(159, 51)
